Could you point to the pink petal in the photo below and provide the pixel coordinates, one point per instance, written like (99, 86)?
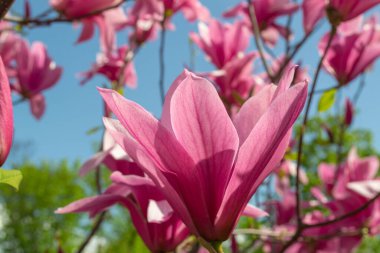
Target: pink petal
(254, 212)
(6, 115)
(201, 124)
(263, 149)
(37, 105)
(138, 154)
(93, 162)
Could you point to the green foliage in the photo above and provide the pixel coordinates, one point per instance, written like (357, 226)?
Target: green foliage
(320, 147)
(30, 223)
(369, 244)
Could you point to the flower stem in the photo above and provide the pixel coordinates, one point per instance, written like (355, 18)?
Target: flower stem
(217, 246)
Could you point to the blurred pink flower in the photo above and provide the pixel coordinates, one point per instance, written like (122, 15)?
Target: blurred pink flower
(352, 50)
(108, 21)
(338, 11)
(36, 72)
(111, 64)
(6, 115)
(207, 166)
(192, 9)
(267, 12)
(354, 169)
(236, 82)
(284, 172)
(222, 43)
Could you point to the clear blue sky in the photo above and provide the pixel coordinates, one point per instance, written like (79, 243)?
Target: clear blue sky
(73, 109)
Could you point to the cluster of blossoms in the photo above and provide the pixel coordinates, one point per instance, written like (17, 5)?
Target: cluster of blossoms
(343, 189)
(194, 171)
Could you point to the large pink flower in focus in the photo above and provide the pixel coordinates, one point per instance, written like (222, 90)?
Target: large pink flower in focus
(352, 51)
(36, 72)
(6, 115)
(222, 43)
(267, 12)
(338, 11)
(208, 166)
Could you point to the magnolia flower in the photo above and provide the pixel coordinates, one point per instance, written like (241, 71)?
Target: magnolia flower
(98, 13)
(353, 170)
(158, 226)
(338, 11)
(222, 43)
(235, 81)
(352, 50)
(266, 12)
(6, 115)
(36, 72)
(159, 10)
(111, 65)
(152, 216)
(208, 166)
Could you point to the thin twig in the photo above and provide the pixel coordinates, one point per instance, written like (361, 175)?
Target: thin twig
(300, 225)
(257, 37)
(93, 231)
(5, 5)
(344, 216)
(60, 19)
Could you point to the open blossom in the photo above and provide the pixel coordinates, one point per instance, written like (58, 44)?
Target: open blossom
(338, 11)
(158, 226)
(159, 10)
(36, 72)
(267, 13)
(6, 115)
(111, 65)
(353, 50)
(222, 43)
(235, 82)
(208, 166)
(108, 21)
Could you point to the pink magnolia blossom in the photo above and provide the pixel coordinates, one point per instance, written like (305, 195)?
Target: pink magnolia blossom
(235, 82)
(36, 72)
(108, 21)
(222, 43)
(353, 186)
(207, 166)
(191, 9)
(111, 64)
(6, 115)
(153, 218)
(338, 11)
(354, 169)
(352, 51)
(144, 29)
(284, 172)
(267, 12)
(78, 8)
(159, 10)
